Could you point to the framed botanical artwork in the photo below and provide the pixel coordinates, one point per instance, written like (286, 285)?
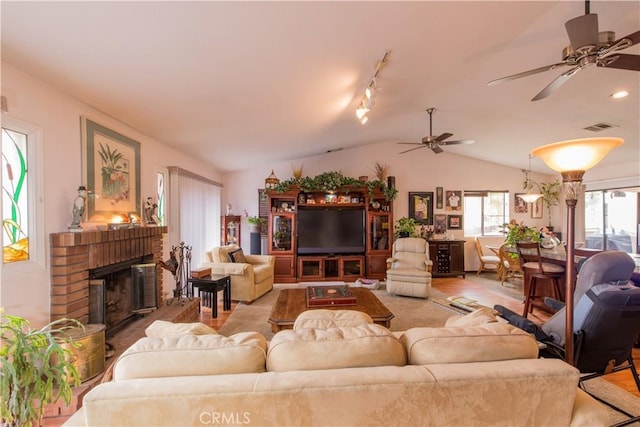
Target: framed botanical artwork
(440, 224)
(536, 208)
(454, 201)
(421, 207)
(520, 204)
(454, 222)
(439, 197)
(112, 172)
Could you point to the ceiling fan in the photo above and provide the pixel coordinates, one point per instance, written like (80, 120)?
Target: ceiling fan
(434, 142)
(587, 47)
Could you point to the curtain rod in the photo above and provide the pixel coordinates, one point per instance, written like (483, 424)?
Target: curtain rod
(180, 171)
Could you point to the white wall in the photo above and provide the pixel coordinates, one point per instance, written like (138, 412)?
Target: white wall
(58, 115)
(421, 170)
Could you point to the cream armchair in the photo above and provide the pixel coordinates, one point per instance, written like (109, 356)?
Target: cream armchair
(249, 280)
(410, 268)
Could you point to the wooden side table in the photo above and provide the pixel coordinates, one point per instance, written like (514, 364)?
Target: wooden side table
(211, 285)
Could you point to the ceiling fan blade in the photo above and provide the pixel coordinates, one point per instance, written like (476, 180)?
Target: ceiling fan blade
(623, 61)
(583, 31)
(442, 137)
(417, 148)
(620, 44)
(436, 149)
(461, 141)
(410, 143)
(526, 73)
(556, 83)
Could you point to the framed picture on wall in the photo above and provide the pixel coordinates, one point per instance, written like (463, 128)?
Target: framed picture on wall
(520, 204)
(454, 222)
(536, 209)
(439, 197)
(454, 201)
(421, 207)
(112, 172)
(440, 224)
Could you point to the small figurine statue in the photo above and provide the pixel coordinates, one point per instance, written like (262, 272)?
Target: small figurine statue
(78, 208)
(150, 215)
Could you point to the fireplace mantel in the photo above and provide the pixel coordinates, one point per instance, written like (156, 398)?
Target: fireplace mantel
(73, 255)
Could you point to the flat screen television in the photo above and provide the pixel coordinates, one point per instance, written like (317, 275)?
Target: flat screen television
(325, 231)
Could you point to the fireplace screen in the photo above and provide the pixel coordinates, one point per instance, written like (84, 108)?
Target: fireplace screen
(145, 296)
(117, 295)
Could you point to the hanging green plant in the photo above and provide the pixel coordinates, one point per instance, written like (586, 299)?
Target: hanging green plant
(334, 181)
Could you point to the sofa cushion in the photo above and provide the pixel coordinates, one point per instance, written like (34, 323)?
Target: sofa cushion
(477, 317)
(483, 343)
(344, 347)
(162, 328)
(221, 253)
(237, 256)
(187, 355)
(326, 319)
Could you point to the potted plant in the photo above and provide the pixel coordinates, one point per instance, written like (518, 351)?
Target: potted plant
(405, 227)
(255, 223)
(550, 196)
(36, 368)
(518, 232)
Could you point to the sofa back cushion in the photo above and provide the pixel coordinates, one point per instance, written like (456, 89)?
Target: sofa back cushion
(162, 328)
(221, 253)
(342, 347)
(189, 355)
(327, 319)
(483, 343)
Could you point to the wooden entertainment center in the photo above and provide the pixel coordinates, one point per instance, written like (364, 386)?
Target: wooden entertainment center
(283, 234)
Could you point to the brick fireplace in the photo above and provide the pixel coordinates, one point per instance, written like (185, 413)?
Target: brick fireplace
(74, 255)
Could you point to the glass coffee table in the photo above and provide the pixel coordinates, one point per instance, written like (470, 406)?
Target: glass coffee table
(292, 302)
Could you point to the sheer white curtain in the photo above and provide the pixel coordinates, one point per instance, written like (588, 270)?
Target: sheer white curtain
(194, 212)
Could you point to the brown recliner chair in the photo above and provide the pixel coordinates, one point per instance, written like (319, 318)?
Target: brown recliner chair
(251, 275)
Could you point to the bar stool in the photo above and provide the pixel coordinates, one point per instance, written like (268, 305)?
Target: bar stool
(534, 269)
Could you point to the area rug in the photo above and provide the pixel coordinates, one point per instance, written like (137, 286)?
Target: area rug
(408, 312)
(603, 389)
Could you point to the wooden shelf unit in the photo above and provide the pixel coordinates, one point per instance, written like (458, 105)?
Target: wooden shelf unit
(282, 235)
(447, 257)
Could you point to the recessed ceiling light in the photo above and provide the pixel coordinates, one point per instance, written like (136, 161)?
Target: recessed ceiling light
(619, 94)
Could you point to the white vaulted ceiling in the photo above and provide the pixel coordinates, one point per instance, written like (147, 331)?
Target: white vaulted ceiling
(245, 83)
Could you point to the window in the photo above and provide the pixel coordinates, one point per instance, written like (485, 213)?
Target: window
(15, 196)
(194, 212)
(485, 212)
(22, 216)
(611, 219)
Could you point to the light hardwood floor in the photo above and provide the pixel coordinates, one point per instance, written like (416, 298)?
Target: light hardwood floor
(457, 286)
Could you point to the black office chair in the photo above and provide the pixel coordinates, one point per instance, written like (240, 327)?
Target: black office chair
(606, 320)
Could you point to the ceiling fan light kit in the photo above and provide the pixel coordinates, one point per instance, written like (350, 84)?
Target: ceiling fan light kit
(371, 91)
(588, 47)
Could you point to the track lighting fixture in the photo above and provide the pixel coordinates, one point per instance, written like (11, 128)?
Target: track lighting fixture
(371, 91)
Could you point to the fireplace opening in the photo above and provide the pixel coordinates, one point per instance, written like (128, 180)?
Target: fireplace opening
(120, 293)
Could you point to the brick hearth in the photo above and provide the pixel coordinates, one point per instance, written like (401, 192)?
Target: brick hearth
(74, 254)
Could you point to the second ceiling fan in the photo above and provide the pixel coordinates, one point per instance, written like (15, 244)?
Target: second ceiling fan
(434, 142)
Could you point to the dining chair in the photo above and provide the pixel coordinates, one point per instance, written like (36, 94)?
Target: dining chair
(535, 269)
(510, 267)
(486, 260)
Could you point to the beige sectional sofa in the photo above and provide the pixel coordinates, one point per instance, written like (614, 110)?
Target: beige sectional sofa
(334, 375)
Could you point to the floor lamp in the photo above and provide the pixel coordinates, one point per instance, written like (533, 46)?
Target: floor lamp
(572, 159)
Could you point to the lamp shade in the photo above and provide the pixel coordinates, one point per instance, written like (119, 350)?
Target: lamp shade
(530, 197)
(576, 154)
